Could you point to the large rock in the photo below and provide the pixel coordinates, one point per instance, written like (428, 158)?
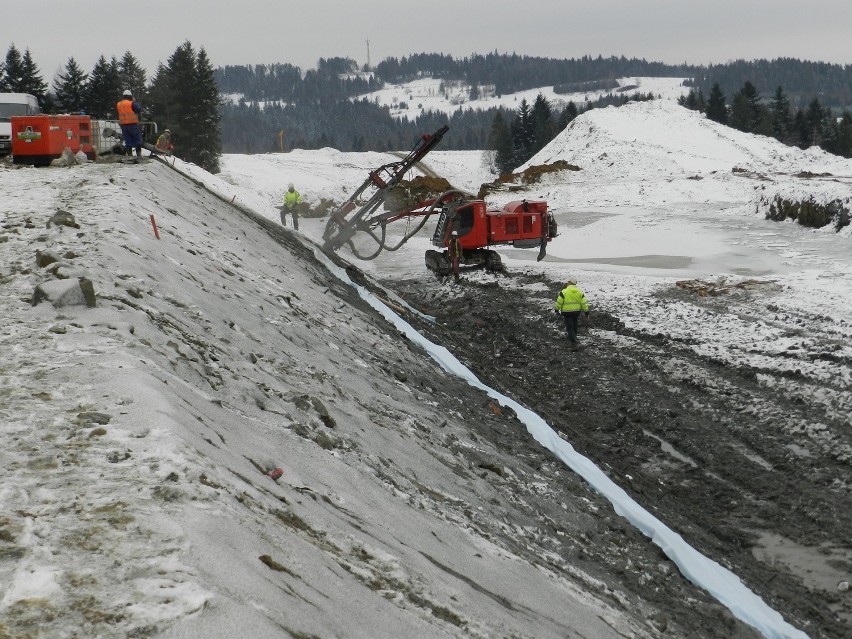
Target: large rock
(71, 292)
(45, 258)
(62, 218)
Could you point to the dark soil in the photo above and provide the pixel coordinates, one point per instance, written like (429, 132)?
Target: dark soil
(678, 431)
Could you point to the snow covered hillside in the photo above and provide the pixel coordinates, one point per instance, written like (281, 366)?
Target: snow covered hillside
(411, 98)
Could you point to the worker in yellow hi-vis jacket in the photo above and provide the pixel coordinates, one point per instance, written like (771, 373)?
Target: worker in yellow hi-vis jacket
(292, 201)
(570, 302)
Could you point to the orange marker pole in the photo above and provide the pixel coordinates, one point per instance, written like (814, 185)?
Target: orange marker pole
(154, 225)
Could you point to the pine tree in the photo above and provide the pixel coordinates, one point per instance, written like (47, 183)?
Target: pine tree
(541, 122)
(829, 132)
(13, 72)
(207, 101)
(132, 76)
(747, 113)
(740, 117)
(716, 109)
(814, 117)
(755, 108)
(781, 120)
(500, 142)
(70, 88)
(694, 100)
(185, 98)
(32, 82)
(801, 133)
(568, 114)
(159, 98)
(522, 134)
(103, 90)
(48, 105)
(844, 135)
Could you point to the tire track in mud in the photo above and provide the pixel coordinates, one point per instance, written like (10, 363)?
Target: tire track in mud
(723, 458)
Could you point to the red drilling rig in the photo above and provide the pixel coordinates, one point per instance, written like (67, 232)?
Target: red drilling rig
(521, 224)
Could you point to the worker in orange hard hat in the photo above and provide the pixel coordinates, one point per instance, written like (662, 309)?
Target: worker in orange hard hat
(129, 113)
(455, 252)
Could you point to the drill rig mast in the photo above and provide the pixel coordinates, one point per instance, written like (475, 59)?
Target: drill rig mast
(349, 219)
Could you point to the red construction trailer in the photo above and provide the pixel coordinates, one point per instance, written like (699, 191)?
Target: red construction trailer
(39, 139)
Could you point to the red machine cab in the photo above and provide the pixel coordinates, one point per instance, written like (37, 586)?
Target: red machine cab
(521, 224)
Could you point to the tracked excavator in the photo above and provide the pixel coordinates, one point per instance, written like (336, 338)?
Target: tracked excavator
(521, 224)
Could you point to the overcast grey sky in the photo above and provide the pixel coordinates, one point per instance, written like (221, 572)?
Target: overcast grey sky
(300, 32)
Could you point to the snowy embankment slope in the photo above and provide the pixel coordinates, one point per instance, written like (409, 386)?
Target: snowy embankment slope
(137, 433)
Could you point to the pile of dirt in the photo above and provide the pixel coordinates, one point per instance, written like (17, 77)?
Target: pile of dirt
(317, 209)
(409, 192)
(530, 175)
(703, 288)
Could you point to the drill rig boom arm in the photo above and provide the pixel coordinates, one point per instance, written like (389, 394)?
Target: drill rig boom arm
(348, 219)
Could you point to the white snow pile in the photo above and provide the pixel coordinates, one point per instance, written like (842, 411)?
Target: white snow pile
(658, 150)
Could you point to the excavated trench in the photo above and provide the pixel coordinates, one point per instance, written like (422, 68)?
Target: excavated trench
(694, 440)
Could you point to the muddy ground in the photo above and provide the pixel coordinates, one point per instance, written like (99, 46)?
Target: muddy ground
(690, 438)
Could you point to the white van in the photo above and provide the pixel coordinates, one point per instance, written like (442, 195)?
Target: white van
(14, 104)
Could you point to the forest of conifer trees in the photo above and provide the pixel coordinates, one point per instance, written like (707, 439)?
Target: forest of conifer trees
(247, 109)
(748, 111)
(514, 136)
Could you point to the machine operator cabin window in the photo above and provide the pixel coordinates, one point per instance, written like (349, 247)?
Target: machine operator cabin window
(464, 219)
